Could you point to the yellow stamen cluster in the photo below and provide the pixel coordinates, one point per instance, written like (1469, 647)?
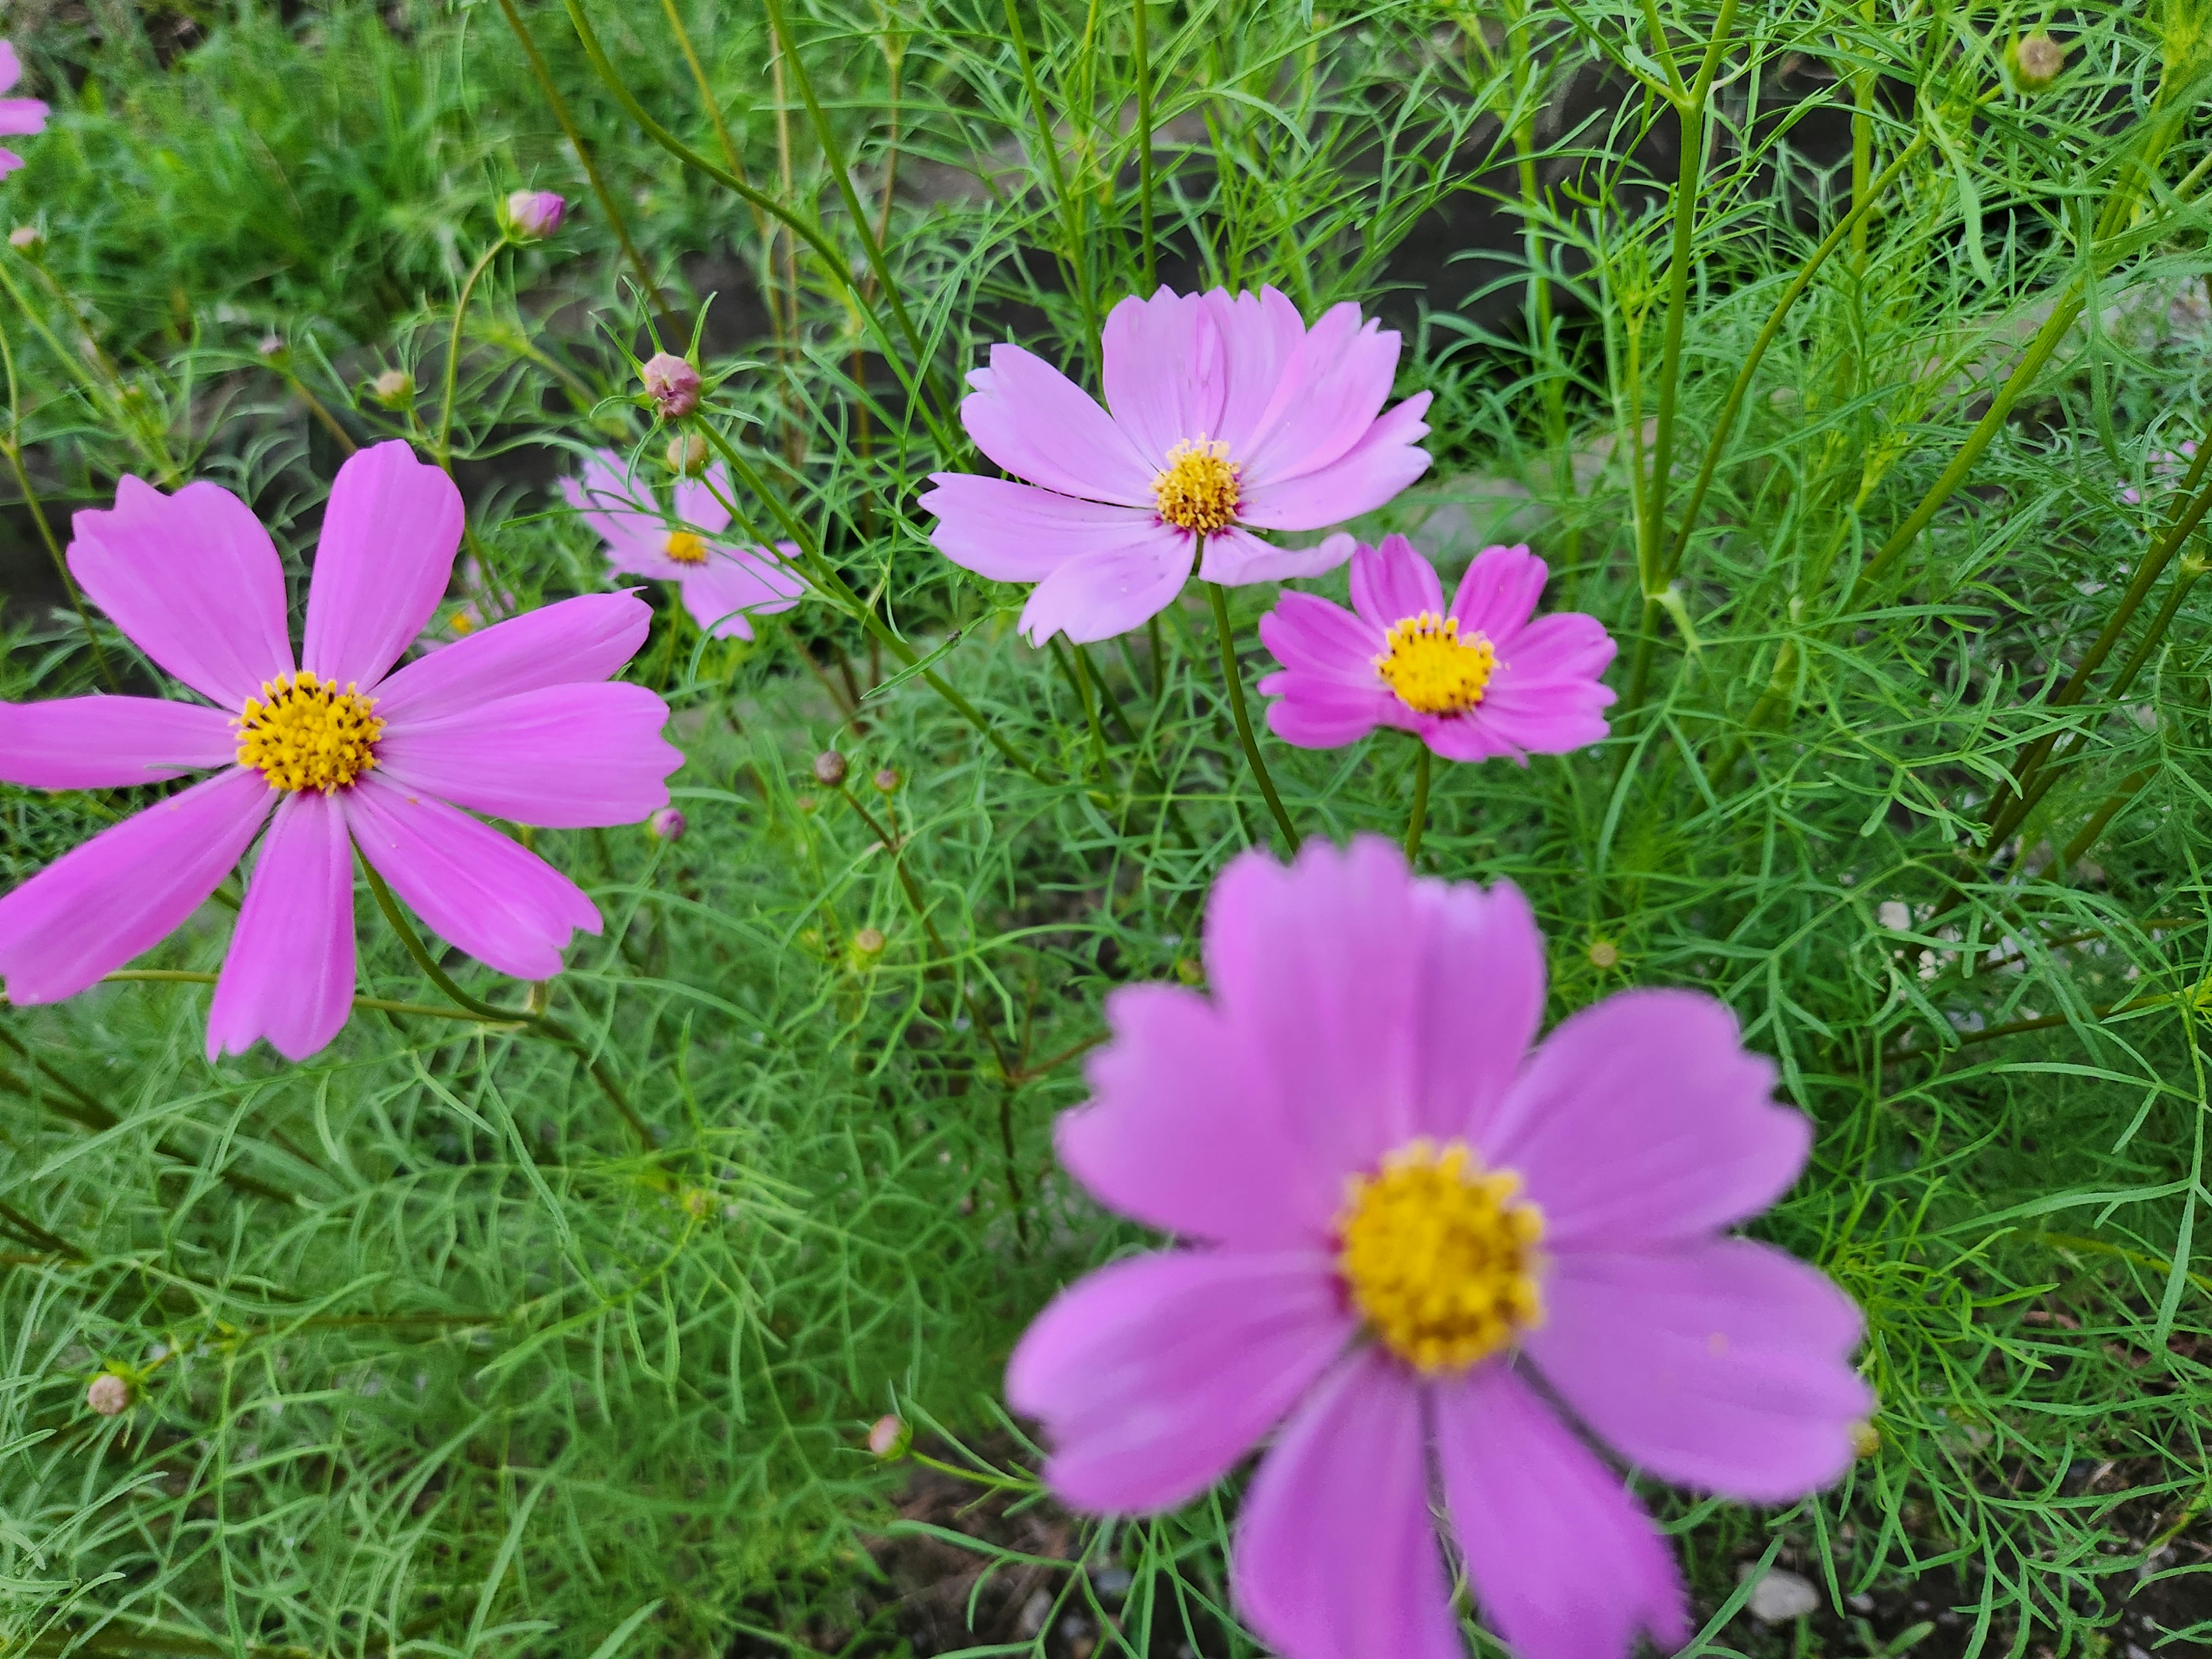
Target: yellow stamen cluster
(684, 548)
(1439, 1258)
(1198, 490)
(1431, 669)
(302, 732)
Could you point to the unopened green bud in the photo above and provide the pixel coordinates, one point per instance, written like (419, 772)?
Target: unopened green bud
(687, 455)
(2035, 61)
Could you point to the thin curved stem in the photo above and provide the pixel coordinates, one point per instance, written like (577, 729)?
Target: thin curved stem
(444, 448)
(1234, 676)
(1145, 142)
(1416, 820)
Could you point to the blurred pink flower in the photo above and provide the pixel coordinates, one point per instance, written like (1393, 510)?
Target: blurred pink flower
(532, 214)
(1416, 1244)
(514, 722)
(18, 116)
(1477, 680)
(1227, 415)
(724, 583)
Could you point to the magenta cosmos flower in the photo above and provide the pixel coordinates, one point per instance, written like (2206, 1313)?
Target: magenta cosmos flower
(18, 116)
(332, 750)
(724, 583)
(1227, 415)
(1473, 681)
(1440, 1261)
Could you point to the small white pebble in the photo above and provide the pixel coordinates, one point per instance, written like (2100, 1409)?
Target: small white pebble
(1779, 1596)
(1893, 914)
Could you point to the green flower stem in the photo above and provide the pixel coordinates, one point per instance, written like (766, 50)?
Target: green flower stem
(833, 587)
(1141, 30)
(543, 1025)
(444, 448)
(647, 289)
(317, 408)
(1418, 819)
(1234, 676)
(2101, 820)
(1078, 676)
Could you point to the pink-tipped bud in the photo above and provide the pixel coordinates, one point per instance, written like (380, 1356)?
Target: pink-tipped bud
(108, 1394)
(830, 768)
(687, 455)
(671, 383)
(888, 1438)
(533, 215)
(666, 824)
(27, 238)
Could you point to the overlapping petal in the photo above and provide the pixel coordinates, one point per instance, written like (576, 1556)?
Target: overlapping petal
(574, 642)
(1016, 532)
(1039, 425)
(736, 584)
(1098, 595)
(563, 757)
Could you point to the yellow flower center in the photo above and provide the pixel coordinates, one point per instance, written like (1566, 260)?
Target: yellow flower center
(1431, 669)
(684, 548)
(1198, 491)
(305, 733)
(1439, 1257)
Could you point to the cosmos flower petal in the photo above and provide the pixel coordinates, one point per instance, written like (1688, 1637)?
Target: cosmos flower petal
(9, 161)
(1260, 332)
(1565, 1563)
(576, 641)
(1177, 1136)
(1479, 992)
(701, 502)
(20, 117)
(110, 743)
(621, 511)
(1319, 640)
(127, 889)
(1016, 532)
(1100, 594)
(1741, 1383)
(1330, 392)
(1392, 582)
(194, 580)
(1694, 1141)
(562, 758)
(1165, 371)
(290, 975)
(1153, 1377)
(472, 886)
(1040, 426)
(11, 65)
(1386, 459)
(738, 582)
(1236, 557)
(1317, 715)
(1499, 595)
(389, 531)
(1335, 1556)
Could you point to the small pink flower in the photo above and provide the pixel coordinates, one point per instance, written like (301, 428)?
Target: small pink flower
(1477, 680)
(1421, 1246)
(18, 116)
(724, 583)
(533, 215)
(333, 749)
(1227, 415)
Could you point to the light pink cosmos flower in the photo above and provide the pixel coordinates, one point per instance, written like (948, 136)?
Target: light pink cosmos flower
(331, 749)
(1477, 680)
(18, 116)
(1227, 415)
(724, 583)
(1438, 1260)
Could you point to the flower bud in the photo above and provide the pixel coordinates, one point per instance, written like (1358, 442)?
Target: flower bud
(530, 216)
(2035, 61)
(830, 769)
(666, 824)
(394, 388)
(671, 383)
(271, 349)
(869, 942)
(687, 455)
(888, 1438)
(27, 238)
(108, 1394)
(1604, 953)
(887, 780)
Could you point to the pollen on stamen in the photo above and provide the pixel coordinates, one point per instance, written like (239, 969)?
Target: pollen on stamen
(1198, 490)
(684, 548)
(303, 733)
(1439, 1255)
(1432, 669)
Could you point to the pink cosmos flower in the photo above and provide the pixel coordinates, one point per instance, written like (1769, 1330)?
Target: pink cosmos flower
(531, 215)
(724, 583)
(1473, 681)
(1227, 415)
(17, 115)
(1442, 1262)
(332, 750)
